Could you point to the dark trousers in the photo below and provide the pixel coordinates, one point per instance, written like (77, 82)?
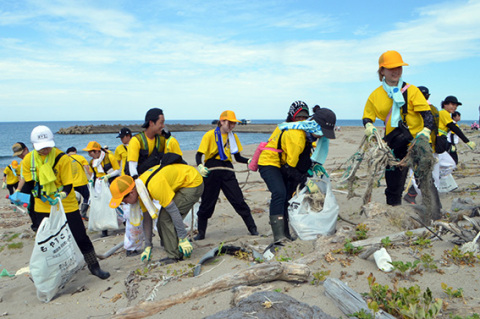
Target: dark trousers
(227, 182)
(83, 190)
(277, 185)
(12, 187)
(454, 155)
(77, 228)
(395, 179)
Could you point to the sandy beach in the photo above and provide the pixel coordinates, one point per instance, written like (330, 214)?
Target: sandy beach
(133, 282)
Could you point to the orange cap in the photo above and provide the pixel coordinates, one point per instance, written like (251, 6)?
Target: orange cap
(120, 187)
(391, 59)
(92, 146)
(229, 116)
(14, 164)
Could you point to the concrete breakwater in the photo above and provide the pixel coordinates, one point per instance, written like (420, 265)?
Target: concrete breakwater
(110, 129)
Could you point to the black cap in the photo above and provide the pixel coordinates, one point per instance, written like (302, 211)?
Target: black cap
(424, 90)
(326, 119)
(124, 131)
(152, 115)
(451, 99)
(71, 149)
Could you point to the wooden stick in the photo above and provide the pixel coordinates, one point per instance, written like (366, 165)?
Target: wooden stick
(254, 275)
(111, 251)
(393, 237)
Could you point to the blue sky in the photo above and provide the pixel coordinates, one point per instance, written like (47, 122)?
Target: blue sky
(113, 60)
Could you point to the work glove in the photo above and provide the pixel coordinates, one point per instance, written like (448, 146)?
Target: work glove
(147, 253)
(53, 201)
(370, 130)
(203, 170)
(453, 148)
(312, 187)
(105, 177)
(425, 132)
(90, 181)
(185, 247)
(4, 185)
(319, 170)
(471, 145)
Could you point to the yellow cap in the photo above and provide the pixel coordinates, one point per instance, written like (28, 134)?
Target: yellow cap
(390, 60)
(14, 164)
(229, 116)
(119, 188)
(92, 146)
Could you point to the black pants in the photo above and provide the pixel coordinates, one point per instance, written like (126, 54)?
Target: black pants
(227, 182)
(12, 187)
(83, 190)
(77, 228)
(395, 178)
(454, 155)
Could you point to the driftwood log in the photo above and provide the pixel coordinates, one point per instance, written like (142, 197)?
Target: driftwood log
(111, 251)
(254, 275)
(348, 300)
(393, 237)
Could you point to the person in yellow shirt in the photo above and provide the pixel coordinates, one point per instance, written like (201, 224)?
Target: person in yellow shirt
(410, 116)
(147, 148)
(48, 176)
(10, 177)
(80, 169)
(177, 187)
(121, 152)
(103, 164)
(283, 165)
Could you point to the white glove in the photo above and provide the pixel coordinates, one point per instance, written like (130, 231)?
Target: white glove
(203, 170)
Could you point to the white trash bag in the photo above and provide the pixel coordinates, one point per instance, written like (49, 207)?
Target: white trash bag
(56, 256)
(192, 213)
(101, 215)
(309, 223)
(134, 235)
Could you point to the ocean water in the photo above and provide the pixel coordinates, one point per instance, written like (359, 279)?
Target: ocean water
(12, 132)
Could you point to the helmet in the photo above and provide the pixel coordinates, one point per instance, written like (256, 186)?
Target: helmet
(390, 59)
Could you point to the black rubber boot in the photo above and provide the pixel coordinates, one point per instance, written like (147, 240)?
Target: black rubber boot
(202, 229)
(278, 227)
(287, 228)
(104, 233)
(83, 211)
(250, 223)
(93, 265)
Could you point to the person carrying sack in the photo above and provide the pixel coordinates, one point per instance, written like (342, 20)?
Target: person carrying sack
(48, 177)
(177, 187)
(405, 114)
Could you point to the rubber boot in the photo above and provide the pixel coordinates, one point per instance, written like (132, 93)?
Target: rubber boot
(104, 233)
(83, 210)
(250, 223)
(94, 267)
(278, 227)
(287, 228)
(202, 229)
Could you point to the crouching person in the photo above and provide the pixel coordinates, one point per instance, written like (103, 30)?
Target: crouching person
(48, 176)
(177, 187)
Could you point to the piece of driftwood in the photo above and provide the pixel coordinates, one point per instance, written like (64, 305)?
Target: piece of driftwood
(242, 292)
(348, 300)
(393, 237)
(369, 251)
(111, 251)
(254, 275)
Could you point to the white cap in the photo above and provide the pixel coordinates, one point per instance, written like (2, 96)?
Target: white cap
(42, 137)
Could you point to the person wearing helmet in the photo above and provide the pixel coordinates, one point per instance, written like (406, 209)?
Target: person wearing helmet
(10, 177)
(283, 165)
(48, 176)
(405, 112)
(218, 146)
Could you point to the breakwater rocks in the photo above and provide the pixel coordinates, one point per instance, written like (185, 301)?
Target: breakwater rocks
(110, 129)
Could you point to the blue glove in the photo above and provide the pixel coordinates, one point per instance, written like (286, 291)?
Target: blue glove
(53, 201)
(106, 177)
(320, 170)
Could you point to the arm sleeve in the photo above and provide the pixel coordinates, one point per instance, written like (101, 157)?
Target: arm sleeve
(67, 188)
(457, 131)
(239, 158)
(365, 121)
(113, 172)
(427, 119)
(132, 166)
(28, 187)
(177, 219)
(198, 158)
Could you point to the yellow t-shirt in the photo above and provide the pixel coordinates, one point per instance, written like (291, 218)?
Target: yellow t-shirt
(379, 104)
(11, 174)
(292, 143)
(134, 147)
(63, 172)
(208, 146)
(78, 170)
(121, 153)
(109, 157)
(169, 180)
(445, 118)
